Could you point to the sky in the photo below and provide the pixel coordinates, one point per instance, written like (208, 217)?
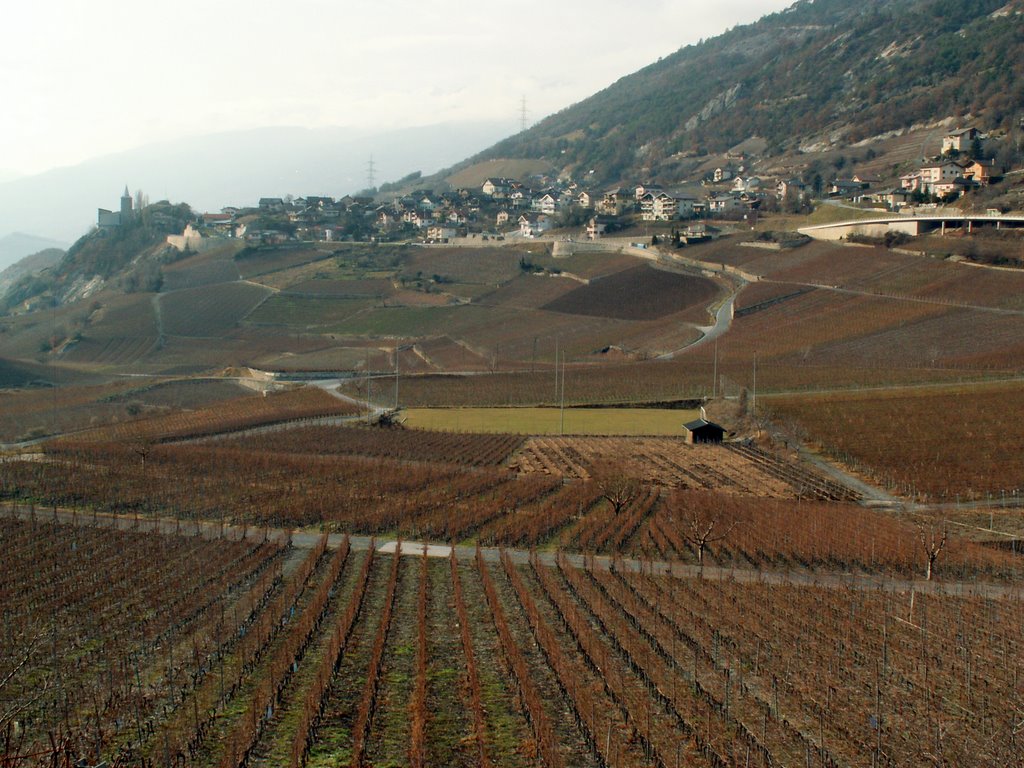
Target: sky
(80, 80)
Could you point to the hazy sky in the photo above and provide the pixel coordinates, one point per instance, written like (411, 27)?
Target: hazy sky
(82, 79)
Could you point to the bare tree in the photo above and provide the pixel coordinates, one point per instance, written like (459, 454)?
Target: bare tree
(933, 540)
(700, 528)
(701, 532)
(12, 668)
(616, 484)
(142, 448)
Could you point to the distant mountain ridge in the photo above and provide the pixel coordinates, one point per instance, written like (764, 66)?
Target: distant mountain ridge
(26, 254)
(822, 73)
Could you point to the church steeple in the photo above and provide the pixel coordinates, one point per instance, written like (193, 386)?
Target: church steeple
(126, 205)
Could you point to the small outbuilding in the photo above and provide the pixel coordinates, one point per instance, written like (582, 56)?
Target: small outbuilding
(703, 431)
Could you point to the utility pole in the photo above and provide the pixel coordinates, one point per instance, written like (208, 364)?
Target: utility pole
(397, 349)
(753, 397)
(561, 414)
(556, 367)
(714, 373)
(369, 395)
(371, 175)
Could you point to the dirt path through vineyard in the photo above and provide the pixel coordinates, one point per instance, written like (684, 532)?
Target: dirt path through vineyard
(303, 540)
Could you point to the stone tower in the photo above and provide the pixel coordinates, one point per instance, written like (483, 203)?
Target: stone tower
(126, 206)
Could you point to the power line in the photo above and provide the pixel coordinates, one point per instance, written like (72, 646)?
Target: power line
(371, 176)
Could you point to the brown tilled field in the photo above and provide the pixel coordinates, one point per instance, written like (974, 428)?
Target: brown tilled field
(639, 293)
(670, 463)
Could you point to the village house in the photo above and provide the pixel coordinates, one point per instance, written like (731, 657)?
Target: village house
(318, 203)
(696, 231)
(845, 188)
(642, 190)
(501, 219)
(646, 203)
(271, 205)
(614, 202)
(930, 175)
(416, 218)
(497, 188)
(937, 173)
(894, 199)
(750, 185)
(981, 171)
(666, 207)
(595, 228)
(659, 207)
(956, 188)
(721, 174)
(219, 222)
(790, 186)
(911, 182)
(866, 180)
(726, 204)
(518, 196)
(440, 233)
(961, 140)
(534, 224)
(387, 217)
(546, 203)
(584, 200)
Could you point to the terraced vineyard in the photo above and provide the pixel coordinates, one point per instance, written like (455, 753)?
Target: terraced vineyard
(938, 443)
(289, 481)
(209, 311)
(340, 655)
(231, 416)
(407, 445)
(112, 635)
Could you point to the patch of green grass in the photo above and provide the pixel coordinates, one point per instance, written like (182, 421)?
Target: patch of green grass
(408, 321)
(549, 421)
(823, 214)
(504, 736)
(306, 312)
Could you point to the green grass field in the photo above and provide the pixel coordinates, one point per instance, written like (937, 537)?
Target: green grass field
(548, 421)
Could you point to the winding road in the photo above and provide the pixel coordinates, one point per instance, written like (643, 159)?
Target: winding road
(723, 322)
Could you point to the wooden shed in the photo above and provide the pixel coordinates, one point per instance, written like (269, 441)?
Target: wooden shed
(703, 431)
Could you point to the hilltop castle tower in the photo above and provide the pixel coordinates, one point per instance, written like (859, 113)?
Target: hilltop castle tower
(126, 205)
(108, 219)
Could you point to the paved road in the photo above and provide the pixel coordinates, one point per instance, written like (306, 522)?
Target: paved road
(307, 539)
(723, 322)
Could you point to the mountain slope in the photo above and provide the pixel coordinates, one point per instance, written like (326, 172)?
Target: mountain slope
(822, 72)
(18, 246)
